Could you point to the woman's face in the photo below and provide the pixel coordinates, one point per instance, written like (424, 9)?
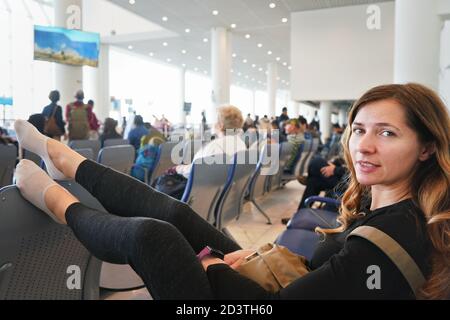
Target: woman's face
(384, 150)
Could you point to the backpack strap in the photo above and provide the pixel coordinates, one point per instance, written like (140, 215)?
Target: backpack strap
(404, 262)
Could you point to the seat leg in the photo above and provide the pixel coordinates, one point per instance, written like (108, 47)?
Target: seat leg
(262, 212)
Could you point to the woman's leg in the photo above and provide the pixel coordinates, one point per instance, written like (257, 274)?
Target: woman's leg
(155, 250)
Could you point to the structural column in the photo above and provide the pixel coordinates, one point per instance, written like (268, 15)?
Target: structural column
(417, 42)
(68, 79)
(342, 117)
(272, 71)
(96, 84)
(325, 119)
(220, 71)
(182, 96)
(296, 111)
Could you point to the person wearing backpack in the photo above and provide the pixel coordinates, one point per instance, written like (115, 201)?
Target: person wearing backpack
(78, 115)
(54, 123)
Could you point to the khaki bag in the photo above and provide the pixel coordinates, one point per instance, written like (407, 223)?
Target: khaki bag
(78, 123)
(274, 267)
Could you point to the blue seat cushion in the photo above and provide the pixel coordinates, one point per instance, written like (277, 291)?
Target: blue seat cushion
(309, 219)
(302, 242)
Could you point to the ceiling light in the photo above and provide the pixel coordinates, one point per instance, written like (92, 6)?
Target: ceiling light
(187, 30)
(199, 58)
(205, 72)
(239, 74)
(169, 60)
(184, 65)
(232, 71)
(234, 55)
(272, 5)
(269, 52)
(151, 54)
(183, 51)
(195, 69)
(215, 12)
(285, 64)
(253, 65)
(246, 77)
(278, 59)
(164, 18)
(260, 45)
(284, 20)
(278, 78)
(244, 61)
(233, 26)
(165, 44)
(205, 40)
(290, 68)
(132, 2)
(130, 47)
(247, 36)
(287, 83)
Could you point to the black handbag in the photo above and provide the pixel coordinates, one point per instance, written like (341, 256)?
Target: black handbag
(171, 184)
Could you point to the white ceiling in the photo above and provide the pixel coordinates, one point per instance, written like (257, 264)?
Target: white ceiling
(253, 17)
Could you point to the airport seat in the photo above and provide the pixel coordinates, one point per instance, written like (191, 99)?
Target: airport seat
(190, 149)
(285, 154)
(207, 180)
(250, 137)
(8, 156)
(299, 241)
(115, 142)
(164, 160)
(95, 145)
(309, 218)
(313, 151)
(32, 157)
(87, 153)
(304, 152)
(113, 277)
(120, 158)
(39, 258)
(231, 202)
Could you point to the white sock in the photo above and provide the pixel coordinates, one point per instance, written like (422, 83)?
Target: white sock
(33, 183)
(32, 140)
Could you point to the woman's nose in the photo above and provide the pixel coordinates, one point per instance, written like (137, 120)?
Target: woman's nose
(366, 144)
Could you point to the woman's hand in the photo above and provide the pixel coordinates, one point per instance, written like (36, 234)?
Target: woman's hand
(328, 171)
(209, 260)
(236, 258)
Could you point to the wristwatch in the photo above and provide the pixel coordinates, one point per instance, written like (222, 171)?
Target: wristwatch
(208, 251)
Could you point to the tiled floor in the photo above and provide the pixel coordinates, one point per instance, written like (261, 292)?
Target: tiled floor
(251, 230)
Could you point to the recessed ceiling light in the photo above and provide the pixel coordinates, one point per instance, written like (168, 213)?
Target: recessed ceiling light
(205, 72)
(132, 1)
(183, 65)
(278, 78)
(244, 61)
(260, 45)
(284, 20)
(247, 36)
(151, 54)
(183, 51)
(233, 26)
(278, 59)
(287, 83)
(272, 5)
(130, 47)
(205, 40)
(187, 30)
(246, 77)
(285, 64)
(269, 52)
(164, 18)
(239, 74)
(253, 65)
(260, 69)
(195, 69)
(232, 71)
(169, 60)
(199, 58)
(165, 44)
(290, 68)
(215, 12)
(234, 55)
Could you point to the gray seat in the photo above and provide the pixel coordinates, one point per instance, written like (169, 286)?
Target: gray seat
(95, 145)
(112, 276)
(87, 153)
(32, 157)
(307, 145)
(8, 156)
(285, 154)
(115, 142)
(313, 151)
(120, 158)
(230, 205)
(250, 137)
(205, 184)
(39, 258)
(165, 160)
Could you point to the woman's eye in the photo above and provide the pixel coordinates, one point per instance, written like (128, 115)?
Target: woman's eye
(387, 133)
(357, 131)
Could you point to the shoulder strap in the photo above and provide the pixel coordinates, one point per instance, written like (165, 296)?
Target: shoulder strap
(395, 252)
(55, 108)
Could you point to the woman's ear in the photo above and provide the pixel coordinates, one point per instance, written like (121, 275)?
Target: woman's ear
(427, 151)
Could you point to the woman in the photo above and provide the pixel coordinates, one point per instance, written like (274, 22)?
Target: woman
(109, 130)
(397, 150)
(53, 113)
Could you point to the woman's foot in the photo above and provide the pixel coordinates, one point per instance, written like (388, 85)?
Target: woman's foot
(61, 161)
(40, 190)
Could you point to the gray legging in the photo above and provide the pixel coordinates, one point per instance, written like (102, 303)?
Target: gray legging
(154, 233)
